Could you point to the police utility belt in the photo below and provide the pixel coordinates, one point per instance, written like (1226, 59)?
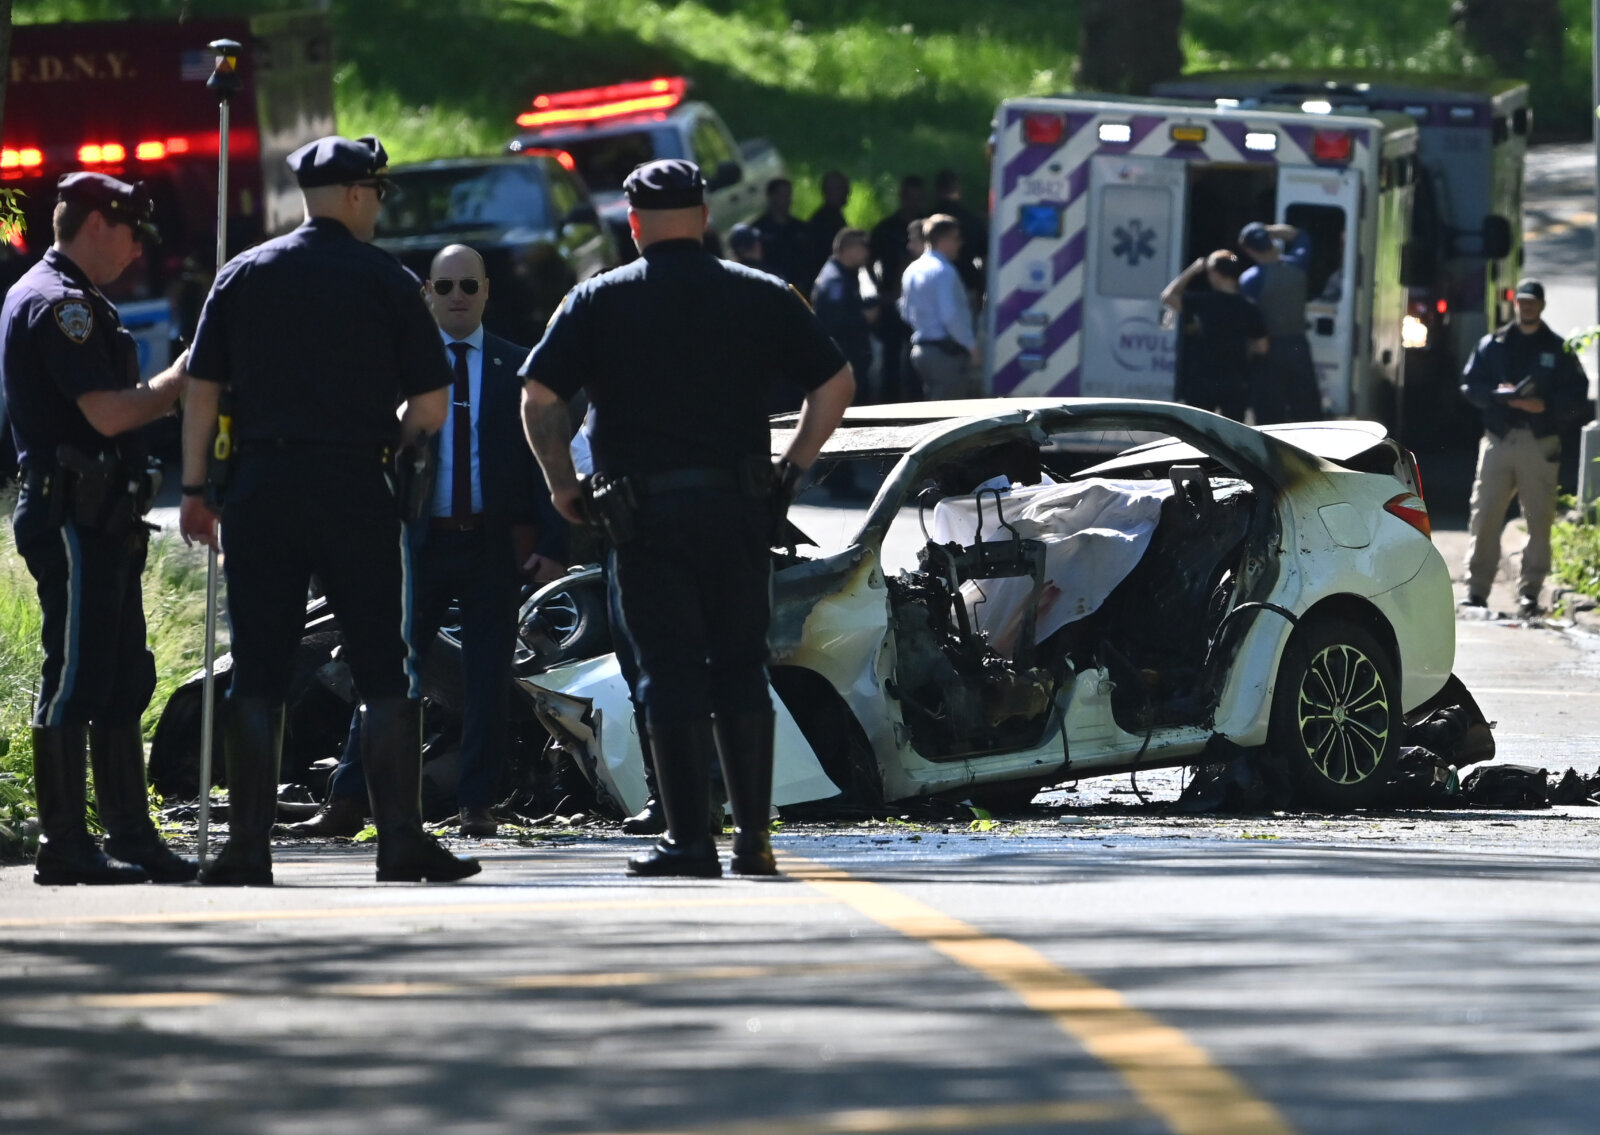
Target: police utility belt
(613, 503)
(102, 494)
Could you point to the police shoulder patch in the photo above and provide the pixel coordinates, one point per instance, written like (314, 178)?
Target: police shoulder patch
(75, 318)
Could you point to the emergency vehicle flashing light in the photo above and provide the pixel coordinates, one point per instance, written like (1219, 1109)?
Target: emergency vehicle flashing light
(102, 153)
(1261, 141)
(1317, 106)
(564, 159)
(1330, 146)
(1117, 133)
(1190, 134)
(595, 103)
(1043, 129)
(26, 158)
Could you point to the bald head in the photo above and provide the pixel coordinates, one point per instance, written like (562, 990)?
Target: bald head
(652, 225)
(457, 290)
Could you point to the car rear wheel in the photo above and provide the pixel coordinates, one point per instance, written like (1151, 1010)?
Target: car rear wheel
(1336, 714)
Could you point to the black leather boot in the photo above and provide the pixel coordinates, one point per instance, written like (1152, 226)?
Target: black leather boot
(391, 753)
(122, 797)
(683, 767)
(744, 745)
(652, 818)
(252, 742)
(67, 855)
(342, 817)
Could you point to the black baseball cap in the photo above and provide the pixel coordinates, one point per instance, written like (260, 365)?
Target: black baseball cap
(670, 183)
(1530, 290)
(115, 200)
(743, 237)
(339, 161)
(1255, 237)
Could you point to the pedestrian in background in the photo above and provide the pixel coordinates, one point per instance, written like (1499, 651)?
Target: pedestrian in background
(836, 298)
(1277, 283)
(1221, 332)
(319, 337)
(824, 225)
(974, 233)
(944, 347)
(785, 245)
(482, 528)
(77, 411)
(889, 256)
(744, 246)
(676, 352)
(1528, 387)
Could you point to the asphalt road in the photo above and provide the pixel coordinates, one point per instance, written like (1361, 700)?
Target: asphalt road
(1100, 966)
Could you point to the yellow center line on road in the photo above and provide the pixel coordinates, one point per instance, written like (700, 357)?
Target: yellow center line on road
(886, 1120)
(1170, 1074)
(567, 906)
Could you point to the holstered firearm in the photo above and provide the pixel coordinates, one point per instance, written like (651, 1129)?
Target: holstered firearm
(102, 493)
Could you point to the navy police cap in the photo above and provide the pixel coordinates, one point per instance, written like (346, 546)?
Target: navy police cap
(671, 183)
(115, 200)
(339, 161)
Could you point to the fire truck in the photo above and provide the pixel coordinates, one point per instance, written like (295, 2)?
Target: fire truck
(1099, 201)
(129, 98)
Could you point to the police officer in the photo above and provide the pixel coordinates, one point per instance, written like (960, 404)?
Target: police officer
(677, 351)
(1529, 388)
(319, 337)
(71, 375)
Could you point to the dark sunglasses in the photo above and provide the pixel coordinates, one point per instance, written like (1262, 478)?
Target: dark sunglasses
(380, 187)
(469, 286)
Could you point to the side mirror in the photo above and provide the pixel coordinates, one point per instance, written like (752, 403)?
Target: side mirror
(581, 214)
(1496, 237)
(728, 173)
(1416, 266)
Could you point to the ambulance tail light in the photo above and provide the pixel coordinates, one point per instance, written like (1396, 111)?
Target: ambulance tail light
(1411, 508)
(1443, 306)
(1330, 146)
(595, 103)
(26, 158)
(1043, 129)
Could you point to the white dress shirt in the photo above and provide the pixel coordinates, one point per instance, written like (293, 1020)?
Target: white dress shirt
(445, 480)
(934, 302)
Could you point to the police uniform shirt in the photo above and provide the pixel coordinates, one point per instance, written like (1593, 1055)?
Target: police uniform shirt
(62, 340)
(320, 336)
(678, 351)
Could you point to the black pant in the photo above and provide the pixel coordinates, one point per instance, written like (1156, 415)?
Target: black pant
(476, 571)
(694, 586)
(293, 513)
(1285, 384)
(96, 665)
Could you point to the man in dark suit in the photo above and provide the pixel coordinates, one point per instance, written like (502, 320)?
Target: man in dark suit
(468, 551)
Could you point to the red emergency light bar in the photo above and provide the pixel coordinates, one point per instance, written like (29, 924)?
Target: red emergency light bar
(26, 158)
(566, 160)
(102, 153)
(1330, 146)
(595, 103)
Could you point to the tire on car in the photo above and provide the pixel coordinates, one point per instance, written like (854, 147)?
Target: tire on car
(1336, 715)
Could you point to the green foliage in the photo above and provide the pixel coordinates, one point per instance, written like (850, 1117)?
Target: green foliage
(1575, 548)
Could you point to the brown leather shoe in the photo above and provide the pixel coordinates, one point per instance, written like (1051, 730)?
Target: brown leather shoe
(340, 818)
(478, 823)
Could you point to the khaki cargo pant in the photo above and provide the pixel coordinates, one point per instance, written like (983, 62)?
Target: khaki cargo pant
(1528, 468)
(944, 375)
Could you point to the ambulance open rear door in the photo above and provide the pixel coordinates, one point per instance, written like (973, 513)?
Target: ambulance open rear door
(1327, 204)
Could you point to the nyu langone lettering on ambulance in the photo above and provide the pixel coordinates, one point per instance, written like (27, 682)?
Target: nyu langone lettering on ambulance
(1133, 242)
(1141, 345)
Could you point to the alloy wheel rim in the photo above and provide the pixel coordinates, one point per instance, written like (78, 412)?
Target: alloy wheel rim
(1344, 714)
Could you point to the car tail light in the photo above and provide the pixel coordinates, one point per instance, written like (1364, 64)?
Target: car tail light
(1411, 508)
(1330, 146)
(1043, 129)
(594, 103)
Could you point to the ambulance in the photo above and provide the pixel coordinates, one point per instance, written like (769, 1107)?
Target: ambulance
(1099, 201)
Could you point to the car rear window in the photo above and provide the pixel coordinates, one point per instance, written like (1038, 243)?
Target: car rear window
(428, 201)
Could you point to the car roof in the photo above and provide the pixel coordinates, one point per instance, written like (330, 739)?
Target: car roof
(465, 162)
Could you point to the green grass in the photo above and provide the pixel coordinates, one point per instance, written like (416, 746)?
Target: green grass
(875, 88)
(1575, 549)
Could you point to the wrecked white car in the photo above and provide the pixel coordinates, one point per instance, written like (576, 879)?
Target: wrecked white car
(1045, 590)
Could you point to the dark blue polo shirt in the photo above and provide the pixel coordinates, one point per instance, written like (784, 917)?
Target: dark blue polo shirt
(320, 336)
(678, 351)
(61, 340)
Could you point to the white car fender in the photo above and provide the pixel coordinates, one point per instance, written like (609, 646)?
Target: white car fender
(594, 689)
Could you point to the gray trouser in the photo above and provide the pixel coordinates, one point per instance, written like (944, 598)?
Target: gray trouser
(943, 375)
(1526, 467)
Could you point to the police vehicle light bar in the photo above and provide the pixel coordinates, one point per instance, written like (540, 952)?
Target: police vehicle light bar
(594, 103)
(1188, 133)
(1330, 146)
(564, 159)
(1262, 141)
(102, 153)
(26, 158)
(1117, 133)
(1317, 106)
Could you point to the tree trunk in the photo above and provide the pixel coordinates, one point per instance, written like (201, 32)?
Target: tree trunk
(1124, 46)
(5, 58)
(1521, 37)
